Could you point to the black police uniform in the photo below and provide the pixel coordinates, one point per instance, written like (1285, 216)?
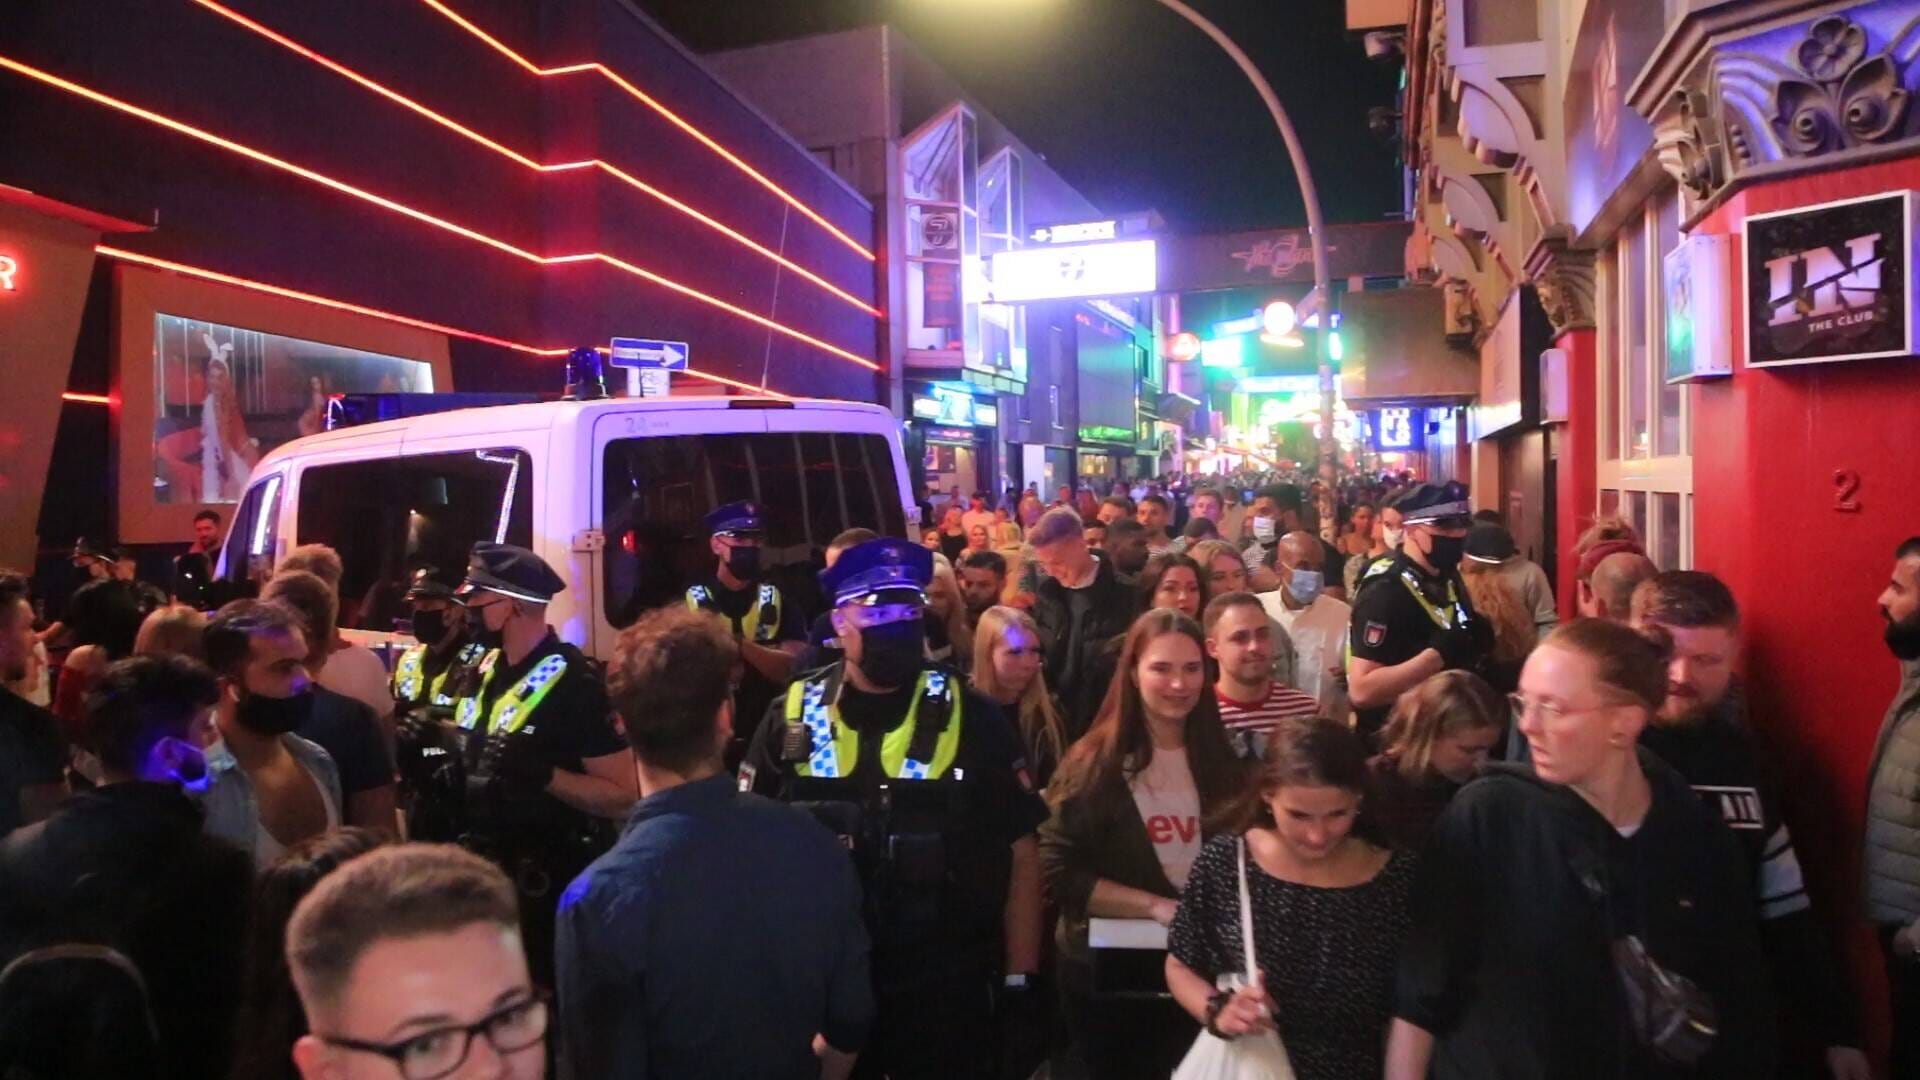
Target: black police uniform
(757, 613)
(548, 711)
(1403, 609)
(934, 854)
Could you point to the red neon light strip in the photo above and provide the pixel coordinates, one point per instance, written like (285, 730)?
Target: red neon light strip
(88, 399)
(514, 155)
(421, 215)
(672, 117)
(376, 313)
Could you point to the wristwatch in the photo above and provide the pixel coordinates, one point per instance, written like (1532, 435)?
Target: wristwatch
(1215, 1003)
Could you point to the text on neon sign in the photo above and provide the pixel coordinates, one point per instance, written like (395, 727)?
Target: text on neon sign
(8, 268)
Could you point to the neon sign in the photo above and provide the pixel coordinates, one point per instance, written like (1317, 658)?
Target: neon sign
(9, 267)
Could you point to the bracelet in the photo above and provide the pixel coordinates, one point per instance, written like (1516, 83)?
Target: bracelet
(1215, 1004)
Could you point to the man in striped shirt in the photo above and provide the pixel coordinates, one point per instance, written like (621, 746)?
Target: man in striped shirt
(1252, 701)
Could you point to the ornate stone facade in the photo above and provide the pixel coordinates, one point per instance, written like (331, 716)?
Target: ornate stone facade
(1761, 97)
(1563, 279)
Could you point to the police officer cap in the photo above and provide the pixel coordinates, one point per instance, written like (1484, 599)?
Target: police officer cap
(884, 571)
(509, 571)
(431, 583)
(736, 519)
(1431, 504)
(84, 548)
(1490, 542)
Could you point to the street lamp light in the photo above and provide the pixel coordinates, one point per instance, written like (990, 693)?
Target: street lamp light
(1322, 297)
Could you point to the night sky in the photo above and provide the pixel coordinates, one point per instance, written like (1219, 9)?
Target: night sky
(1128, 102)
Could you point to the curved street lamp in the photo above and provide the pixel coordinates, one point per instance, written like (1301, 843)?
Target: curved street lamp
(1322, 297)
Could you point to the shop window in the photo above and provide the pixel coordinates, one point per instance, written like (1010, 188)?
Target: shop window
(810, 486)
(389, 516)
(1645, 471)
(1667, 552)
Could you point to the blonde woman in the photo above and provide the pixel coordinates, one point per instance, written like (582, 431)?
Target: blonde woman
(1436, 739)
(1006, 670)
(174, 630)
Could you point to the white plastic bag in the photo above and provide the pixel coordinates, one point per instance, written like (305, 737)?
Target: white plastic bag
(1254, 1056)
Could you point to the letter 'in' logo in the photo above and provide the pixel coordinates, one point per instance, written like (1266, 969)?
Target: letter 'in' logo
(1818, 283)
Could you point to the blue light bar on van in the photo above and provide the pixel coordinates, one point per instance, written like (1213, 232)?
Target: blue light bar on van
(352, 410)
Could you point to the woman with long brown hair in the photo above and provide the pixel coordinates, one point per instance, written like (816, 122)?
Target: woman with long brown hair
(1329, 910)
(1174, 581)
(1130, 802)
(1495, 599)
(1436, 739)
(1006, 669)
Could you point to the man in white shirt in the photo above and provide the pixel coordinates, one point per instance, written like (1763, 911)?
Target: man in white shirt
(978, 514)
(1316, 622)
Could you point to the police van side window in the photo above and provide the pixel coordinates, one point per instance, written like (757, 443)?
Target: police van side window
(811, 486)
(388, 516)
(256, 526)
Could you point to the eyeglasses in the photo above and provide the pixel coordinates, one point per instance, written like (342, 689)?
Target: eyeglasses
(1548, 710)
(437, 1053)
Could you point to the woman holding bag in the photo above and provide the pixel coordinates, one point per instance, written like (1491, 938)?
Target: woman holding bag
(1329, 911)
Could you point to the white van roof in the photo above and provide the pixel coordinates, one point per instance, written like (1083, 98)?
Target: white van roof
(543, 415)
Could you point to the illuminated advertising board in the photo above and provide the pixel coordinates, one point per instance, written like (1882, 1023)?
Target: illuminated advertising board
(1121, 268)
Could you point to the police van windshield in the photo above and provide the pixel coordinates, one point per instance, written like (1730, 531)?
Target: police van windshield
(811, 486)
(388, 516)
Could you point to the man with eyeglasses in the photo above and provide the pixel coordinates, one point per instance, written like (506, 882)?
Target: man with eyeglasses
(409, 965)
(1417, 620)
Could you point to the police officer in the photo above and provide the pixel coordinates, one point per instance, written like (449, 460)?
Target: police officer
(924, 781)
(436, 669)
(1416, 620)
(545, 770)
(769, 631)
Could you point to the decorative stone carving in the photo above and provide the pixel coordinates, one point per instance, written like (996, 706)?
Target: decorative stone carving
(1563, 279)
(1847, 98)
(1688, 143)
(1779, 93)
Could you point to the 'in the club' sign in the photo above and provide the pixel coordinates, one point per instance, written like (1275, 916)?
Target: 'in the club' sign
(1831, 282)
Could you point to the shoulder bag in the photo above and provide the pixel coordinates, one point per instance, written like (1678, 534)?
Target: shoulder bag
(1254, 1056)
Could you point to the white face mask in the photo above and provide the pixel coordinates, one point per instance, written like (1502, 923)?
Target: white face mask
(1263, 529)
(1393, 536)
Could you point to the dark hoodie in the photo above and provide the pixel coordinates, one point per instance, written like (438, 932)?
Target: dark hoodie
(1716, 753)
(127, 866)
(1508, 964)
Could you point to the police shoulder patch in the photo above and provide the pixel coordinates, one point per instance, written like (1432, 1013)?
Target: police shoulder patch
(1376, 634)
(746, 775)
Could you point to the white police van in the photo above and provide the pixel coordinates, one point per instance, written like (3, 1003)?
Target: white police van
(610, 492)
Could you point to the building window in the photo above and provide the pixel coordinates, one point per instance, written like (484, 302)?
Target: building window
(1646, 467)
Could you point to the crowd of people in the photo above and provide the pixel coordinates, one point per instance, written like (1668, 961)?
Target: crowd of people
(1051, 792)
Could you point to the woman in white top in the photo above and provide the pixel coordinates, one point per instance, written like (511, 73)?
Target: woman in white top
(1132, 805)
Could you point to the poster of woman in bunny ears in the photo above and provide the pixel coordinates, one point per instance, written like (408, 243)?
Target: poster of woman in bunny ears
(227, 453)
(228, 395)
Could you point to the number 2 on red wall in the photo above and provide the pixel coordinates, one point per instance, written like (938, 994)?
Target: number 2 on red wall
(1846, 484)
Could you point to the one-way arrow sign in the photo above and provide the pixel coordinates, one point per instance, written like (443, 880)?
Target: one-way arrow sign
(648, 353)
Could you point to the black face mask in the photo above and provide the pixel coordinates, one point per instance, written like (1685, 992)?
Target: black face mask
(1903, 639)
(744, 562)
(891, 653)
(429, 627)
(264, 715)
(1131, 560)
(1446, 551)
